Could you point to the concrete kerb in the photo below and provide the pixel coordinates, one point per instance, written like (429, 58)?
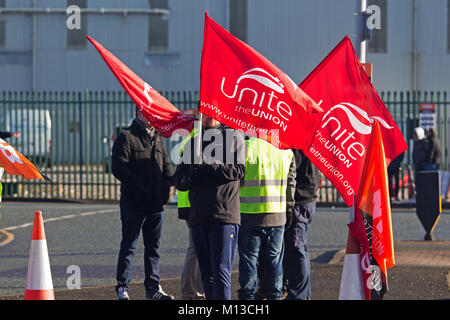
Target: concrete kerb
(448, 280)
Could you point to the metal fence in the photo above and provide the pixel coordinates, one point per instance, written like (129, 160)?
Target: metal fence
(69, 135)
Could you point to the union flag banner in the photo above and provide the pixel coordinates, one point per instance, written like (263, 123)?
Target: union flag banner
(245, 91)
(15, 163)
(163, 115)
(341, 87)
(372, 225)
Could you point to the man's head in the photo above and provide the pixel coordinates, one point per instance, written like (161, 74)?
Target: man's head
(208, 122)
(431, 133)
(140, 116)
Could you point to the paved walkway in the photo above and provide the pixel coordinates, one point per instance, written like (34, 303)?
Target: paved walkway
(414, 253)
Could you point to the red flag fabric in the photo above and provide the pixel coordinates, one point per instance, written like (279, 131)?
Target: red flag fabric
(341, 87)
(15, 163)
(163, 115)
(245, 91)
(372, 225)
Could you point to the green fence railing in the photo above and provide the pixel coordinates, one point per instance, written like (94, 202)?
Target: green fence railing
(69, 135)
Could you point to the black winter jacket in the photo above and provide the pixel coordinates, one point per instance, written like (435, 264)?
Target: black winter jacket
(308, 178)
(5, 134)
(213, 188)
(141, 163)
(419, 155)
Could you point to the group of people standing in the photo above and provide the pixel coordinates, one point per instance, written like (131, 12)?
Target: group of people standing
(258, 202)
(426, 156)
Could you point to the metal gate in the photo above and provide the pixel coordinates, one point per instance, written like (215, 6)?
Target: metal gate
(69, 135)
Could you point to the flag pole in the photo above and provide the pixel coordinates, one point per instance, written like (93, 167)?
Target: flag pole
(1, 187)
(360, 8)
(198, 143)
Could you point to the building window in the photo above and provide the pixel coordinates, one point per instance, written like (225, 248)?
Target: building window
(2, 28)
(238, 19)
(378, 44)
(76, 38)
(158, 28)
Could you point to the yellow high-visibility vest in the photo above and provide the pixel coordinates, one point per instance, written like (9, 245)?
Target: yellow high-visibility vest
(263, 189)
(183, 196)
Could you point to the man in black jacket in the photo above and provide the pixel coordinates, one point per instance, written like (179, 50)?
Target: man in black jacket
(297, 269)
(215, 207)
(141, 163)
(420, 149)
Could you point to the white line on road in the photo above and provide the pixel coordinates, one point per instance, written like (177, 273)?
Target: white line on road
(69, 216)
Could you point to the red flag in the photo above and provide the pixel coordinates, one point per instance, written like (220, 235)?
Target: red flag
(163, 115)
(372, 226)
(245, 91)
(16, 164)
(341, 87)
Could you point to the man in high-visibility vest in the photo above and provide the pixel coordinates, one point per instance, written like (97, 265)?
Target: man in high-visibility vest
(191, 278)
(267, 197)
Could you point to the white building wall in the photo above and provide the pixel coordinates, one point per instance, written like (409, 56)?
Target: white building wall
(295, 34)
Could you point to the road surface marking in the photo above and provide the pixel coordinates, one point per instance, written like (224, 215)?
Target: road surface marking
(69, 216)
(9, 237)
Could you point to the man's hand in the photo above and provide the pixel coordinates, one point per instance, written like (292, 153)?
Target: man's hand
(182, 182)
(289, 216)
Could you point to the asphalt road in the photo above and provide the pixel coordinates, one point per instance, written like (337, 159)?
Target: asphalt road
(88, 236)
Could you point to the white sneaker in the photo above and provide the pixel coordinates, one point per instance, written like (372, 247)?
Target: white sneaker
(122, 294)
(160, 295)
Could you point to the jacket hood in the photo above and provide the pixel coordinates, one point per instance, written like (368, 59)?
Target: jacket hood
(420, 133)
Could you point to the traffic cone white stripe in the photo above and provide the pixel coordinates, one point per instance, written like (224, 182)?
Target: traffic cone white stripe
(352, 281)
(39, 274)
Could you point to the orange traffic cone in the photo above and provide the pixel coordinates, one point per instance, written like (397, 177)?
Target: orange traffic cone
(39, 285)
(352, 280)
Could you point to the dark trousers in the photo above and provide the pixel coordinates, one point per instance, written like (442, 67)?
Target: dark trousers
(151, 226)
(297, 267)
(215, 245)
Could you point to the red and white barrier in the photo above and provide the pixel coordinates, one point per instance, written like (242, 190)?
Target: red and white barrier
(352, 287)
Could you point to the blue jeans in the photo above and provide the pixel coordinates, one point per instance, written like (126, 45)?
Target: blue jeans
(266, 244)
(132, 223)
(445, 180)
(215, 245)
(297, 268)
